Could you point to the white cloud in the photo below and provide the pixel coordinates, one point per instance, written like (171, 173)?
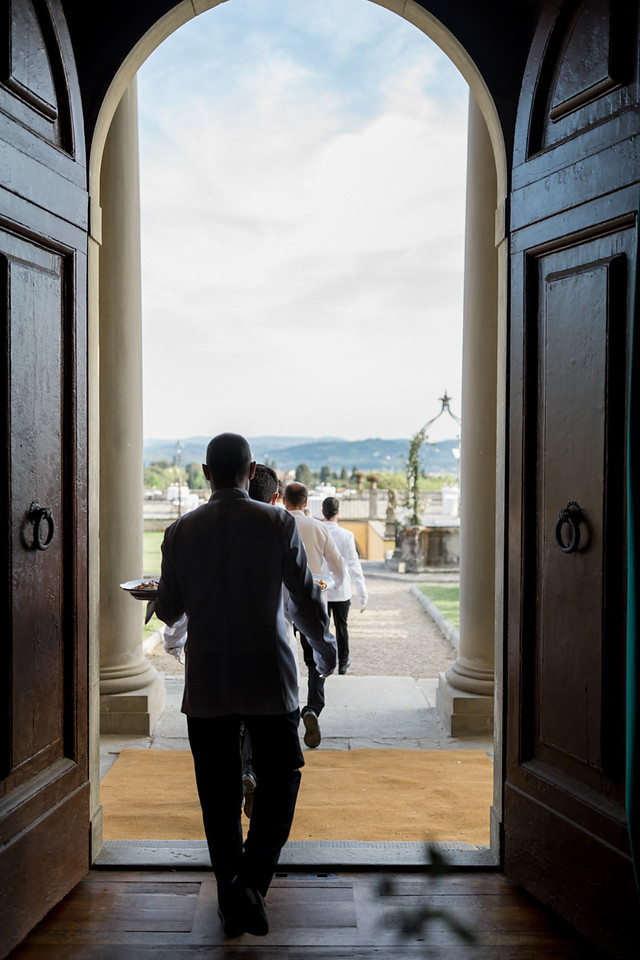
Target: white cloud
(310, 241)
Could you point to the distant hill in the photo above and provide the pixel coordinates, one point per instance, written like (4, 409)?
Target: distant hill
(372, 455)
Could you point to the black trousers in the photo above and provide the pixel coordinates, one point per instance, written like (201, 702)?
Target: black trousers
(340, 611)
(315, 683)
(276, 759)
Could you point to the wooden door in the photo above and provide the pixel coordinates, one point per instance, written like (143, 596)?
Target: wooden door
(44, 798)
(574, 221)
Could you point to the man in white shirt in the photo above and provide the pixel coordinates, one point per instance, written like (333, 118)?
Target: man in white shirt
(321, 550)
(224, 565)
(339, 598)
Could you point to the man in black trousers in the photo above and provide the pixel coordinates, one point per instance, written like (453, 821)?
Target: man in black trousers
(224, 565)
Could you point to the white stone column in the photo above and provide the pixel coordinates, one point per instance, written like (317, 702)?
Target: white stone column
(132, 692)
(465, 692)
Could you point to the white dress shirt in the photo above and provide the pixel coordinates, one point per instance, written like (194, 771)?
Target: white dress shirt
(346, 544)
(224, 565)
(319, 547)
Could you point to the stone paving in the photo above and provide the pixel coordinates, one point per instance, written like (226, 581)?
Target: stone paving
(395, 636)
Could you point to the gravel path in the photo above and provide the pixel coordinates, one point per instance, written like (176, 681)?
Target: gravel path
(395, 636)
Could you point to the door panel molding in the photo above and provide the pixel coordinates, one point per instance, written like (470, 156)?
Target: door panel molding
(34, 86)
(596, 813)
(582, 255)
(597, 896)
(582, 72)
(544, 192)
(36, 866)
(592, 58)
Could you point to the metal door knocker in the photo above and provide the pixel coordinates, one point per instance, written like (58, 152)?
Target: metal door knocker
(41, 517)
(572, 516)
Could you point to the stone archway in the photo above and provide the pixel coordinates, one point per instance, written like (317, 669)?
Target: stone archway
(471, 678)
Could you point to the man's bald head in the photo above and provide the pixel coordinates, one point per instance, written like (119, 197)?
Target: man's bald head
(295, 496)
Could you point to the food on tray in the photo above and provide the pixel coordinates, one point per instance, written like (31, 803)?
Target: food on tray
(150, 584)
(321, 583)
(144, 589)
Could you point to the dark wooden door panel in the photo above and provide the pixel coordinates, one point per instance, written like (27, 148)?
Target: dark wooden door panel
(35, 285)
(580, 308)
(574, 213)
(569, 692)
(44, 789)
(590, 66)
(44, 810)
(41, 135)
(566, 836)
(577, 129)
(582, 73)
(32, 87)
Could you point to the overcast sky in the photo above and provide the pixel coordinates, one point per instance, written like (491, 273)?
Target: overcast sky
(302, 185)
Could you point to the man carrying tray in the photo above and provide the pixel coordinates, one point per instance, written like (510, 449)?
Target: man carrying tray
(224, 566)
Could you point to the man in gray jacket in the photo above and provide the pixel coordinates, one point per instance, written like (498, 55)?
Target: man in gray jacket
(224, 566)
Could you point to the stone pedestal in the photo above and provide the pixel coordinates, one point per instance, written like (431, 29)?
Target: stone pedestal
(443, 548)
(133, 713)
(468, 714)
(465, 694)
(131, 690)
(391, 520)
(390, 525)
(409, 554)
(420, 549)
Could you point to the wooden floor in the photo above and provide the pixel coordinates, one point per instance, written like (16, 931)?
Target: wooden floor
(171, 915)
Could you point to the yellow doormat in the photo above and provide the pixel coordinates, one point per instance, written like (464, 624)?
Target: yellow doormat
(371, 795)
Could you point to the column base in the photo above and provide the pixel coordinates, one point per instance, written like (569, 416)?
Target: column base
(136, 712)
(464, 714)
(496, 833)
(95, 835)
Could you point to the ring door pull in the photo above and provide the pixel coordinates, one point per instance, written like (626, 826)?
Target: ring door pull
(43, 526)
(571, 517)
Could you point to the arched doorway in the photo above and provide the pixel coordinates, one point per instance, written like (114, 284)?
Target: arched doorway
(472, 678)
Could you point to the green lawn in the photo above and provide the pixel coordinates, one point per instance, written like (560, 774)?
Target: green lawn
(151, 558)
(446, 597)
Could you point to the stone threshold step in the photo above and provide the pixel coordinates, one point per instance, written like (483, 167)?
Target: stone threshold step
(300, 853)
